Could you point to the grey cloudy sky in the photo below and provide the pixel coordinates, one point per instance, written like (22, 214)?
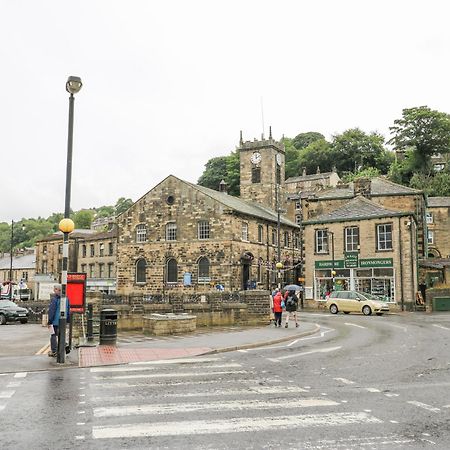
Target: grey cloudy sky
(167, 85)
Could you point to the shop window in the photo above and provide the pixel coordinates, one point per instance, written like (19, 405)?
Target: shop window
(351, 239)
(172, 271)
(141, 233)
(141, 273)
(171, 231)
(384, 236)
(203, 270)
(203, 229)
(382, 272)
(321, 241)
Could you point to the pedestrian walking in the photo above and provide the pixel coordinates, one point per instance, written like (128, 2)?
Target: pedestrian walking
(291, 302)
(277, 308)
(53, 319)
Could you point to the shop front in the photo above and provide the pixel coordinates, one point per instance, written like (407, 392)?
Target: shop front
(375, 276)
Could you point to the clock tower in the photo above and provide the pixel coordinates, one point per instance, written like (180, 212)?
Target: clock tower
(262, 166)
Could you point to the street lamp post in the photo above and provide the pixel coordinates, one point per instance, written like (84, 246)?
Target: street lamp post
(73, 85)
(333, 272)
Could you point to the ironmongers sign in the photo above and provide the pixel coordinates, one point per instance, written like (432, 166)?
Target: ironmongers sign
(352, 261)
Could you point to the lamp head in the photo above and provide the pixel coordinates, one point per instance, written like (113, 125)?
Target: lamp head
(66, 225)
(279, 265)
(73, 85)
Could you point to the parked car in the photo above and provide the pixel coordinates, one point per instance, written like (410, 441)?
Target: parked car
(10, 312)
(355, 301)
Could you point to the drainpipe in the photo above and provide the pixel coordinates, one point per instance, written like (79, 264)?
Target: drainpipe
(414, 286)
(400, 251)
(267, 257)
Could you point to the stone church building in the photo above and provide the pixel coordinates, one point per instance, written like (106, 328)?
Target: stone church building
(187, 238)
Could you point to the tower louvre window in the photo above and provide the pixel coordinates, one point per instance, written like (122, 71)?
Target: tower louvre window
(256, 174)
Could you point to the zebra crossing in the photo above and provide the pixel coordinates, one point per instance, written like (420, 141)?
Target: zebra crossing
(10, 382)
(166, 402)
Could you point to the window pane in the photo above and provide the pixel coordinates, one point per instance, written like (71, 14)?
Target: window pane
(351, 239)
(384, 236)
(203, 229)
(141, 233)
(203, 270)
(141, 276)
(172, 271)
(171, 231)
(245, 231)
(321, 241)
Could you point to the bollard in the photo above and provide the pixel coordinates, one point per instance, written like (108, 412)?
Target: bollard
(90, 320)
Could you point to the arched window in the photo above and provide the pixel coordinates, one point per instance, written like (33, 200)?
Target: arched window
(172, 271)
(203, 270)
(141, 275)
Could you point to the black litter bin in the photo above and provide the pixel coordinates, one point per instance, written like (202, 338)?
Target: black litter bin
(108, 327)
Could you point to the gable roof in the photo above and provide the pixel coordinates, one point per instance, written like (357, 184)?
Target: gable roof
(380, 186)
(359, 208)
(310, 177)
(242, 206)
(436, 202)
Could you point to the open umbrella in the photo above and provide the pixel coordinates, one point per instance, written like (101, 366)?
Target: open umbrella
(292, 287)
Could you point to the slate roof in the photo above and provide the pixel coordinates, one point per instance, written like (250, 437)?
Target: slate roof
(19, 262)
(243, 206)
(379, 186)
(77, 233)
(359, 208)
(310, 177)
(435, 202)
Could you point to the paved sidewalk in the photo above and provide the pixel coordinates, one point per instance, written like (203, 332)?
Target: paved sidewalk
(133, 347)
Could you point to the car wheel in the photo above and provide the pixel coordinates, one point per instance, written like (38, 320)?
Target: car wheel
(333, 309)
(346, 312)
(366, 310)
(2, 319)
(24, 321)
(379, 314)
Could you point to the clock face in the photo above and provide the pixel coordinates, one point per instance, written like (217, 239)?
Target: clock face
(278, 158)
(255, 158)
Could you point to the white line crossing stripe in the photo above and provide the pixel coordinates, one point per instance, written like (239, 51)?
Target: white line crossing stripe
(440, 326)
(354, 325)
(176, 361)
(369, 389)
(321, 350)
(344, 380)
(172, 375)
(424, 406)
(6, 394)
(13, 384)
(2, 407)
(247, 390)
(20, 375)
(232, 405)
(234, 425)
(162, 383)
(139, 368)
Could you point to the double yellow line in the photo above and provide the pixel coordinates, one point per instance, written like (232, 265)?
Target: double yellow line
(43, 350)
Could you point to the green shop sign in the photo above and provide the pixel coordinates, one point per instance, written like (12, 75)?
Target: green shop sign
(376, 262)
(328, 264)
(351, 260)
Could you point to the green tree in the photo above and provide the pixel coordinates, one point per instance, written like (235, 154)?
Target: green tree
(233, 177)
(222, 168)
(122, 205)
(291, 156)
(302, 140)
(369, 172)
(434, 186)
(105, 211)
(318, 154)
(424, 130)
(83, 218)
(355, 150)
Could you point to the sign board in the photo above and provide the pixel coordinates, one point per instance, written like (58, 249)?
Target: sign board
(351, 260)
(45, 290)
(376, 262)
(328, 264)
(76, 291)
(187, 279)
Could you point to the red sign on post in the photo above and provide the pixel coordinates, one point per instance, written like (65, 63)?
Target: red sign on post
(76, 291)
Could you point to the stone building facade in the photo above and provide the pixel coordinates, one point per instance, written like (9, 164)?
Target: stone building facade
(438, 227)
(360, 245)
(181, 237)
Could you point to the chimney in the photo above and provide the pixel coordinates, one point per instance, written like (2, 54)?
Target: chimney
(304, 172)
(318, 170)
(362, 186)
(223, 187)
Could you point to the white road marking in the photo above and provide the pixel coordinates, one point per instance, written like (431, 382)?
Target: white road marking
(79, 438)
(243, 351)
(359, 442)
(138, 368)
(320, 350)
(322, 334)
(232, 405)
(7, 394)
(172, 375)
(372, 390)
(81, 423)
(20, 375)
(446, 406)
(391, 394)
(144, 383)
(81, 412)
(2, 407)
(230, 425)
(424, 406)
(393, 421)
(344, 380)
(354, 325)
(292, 343)
(441, 326)
(174, 361)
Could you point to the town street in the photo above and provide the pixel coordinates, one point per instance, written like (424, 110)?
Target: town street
(360, 382)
